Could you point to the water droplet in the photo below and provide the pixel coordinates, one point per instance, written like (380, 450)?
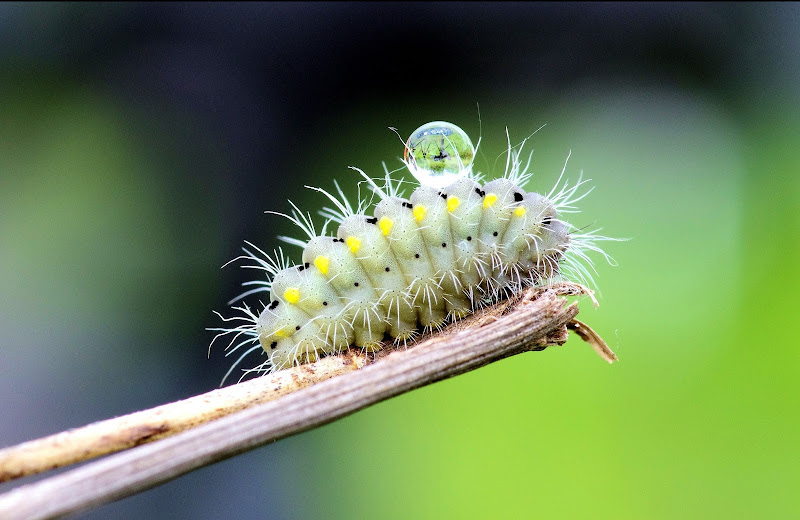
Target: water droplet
(439, 153)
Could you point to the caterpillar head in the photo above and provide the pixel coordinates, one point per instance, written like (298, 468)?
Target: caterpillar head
(277, 326)
(305, 287)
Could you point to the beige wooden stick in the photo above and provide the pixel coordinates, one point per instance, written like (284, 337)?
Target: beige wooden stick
(505, 330)
(120, 433)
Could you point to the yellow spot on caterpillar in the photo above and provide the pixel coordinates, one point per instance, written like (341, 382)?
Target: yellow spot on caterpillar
(452, 203)
(283, 333)
(419, 212)
(321, 263)
(353, 243)
(386, 224)
(520, 211)
(489, 200)
(292, 295)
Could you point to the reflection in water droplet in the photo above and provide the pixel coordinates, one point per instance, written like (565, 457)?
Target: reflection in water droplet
(438, 153)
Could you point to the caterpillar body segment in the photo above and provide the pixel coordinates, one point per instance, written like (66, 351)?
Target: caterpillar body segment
(465, 208)
(372, 249)
(523, 237)
(501, 198)
(397, 221)
(344, 273)
(431, 211)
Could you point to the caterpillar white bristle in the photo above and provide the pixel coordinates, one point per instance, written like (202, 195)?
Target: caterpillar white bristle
(455, 246)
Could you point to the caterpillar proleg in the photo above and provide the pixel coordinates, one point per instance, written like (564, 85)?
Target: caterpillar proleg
(453, 246)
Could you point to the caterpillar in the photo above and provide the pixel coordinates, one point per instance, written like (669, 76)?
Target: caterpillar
(452, 247)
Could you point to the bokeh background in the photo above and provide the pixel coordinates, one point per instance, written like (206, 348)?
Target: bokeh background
(140, 145)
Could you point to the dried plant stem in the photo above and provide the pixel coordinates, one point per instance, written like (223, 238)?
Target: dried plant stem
(120, 433)
(540, 318)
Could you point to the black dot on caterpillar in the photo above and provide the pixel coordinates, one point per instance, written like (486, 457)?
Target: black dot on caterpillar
(355, 288)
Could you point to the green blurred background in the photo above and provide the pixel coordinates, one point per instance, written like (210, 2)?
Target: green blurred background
(141, 143)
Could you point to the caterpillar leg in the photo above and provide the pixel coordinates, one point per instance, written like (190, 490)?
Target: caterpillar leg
(401, 316)
(430, 304)
(369, 327)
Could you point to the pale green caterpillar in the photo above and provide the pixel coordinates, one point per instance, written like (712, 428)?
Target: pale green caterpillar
(450, 248)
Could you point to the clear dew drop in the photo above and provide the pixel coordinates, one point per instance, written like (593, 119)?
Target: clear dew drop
(439, 153)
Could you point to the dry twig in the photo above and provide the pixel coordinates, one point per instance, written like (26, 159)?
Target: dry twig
(121, 433)
(536, 320)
